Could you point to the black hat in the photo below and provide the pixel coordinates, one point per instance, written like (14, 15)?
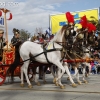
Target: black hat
(16, 31)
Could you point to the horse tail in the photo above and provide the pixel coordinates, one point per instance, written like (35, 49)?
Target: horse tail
(13, 66)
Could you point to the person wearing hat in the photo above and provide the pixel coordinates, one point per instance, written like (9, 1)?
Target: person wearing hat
(16, 37)
(2, 43)
(16, 41)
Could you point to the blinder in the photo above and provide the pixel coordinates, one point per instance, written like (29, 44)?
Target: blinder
(80, 36)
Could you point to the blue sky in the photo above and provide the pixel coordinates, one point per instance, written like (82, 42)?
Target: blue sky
(32, 14)
(78, 5)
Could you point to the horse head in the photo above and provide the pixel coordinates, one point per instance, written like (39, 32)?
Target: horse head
(64, 34)
(79, 42)
(91, 38)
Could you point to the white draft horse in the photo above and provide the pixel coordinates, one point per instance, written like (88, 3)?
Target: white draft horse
(69, 37)
(54, 56)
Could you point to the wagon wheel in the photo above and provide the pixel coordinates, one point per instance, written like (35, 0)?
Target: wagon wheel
(2, 78)
(2, 75)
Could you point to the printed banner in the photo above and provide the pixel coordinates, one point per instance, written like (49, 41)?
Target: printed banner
(58, 20)
(1, 21)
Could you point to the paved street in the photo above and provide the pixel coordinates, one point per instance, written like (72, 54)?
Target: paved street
(49, 91)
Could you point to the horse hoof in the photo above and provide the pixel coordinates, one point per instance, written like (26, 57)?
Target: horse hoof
(56, 84)
(62, 86)
(80, 83)
(85, 81)
(86, 75)
(54, 80)
(38, 84)
(74, 85)
(44, 82)
(30, 86)
(22, 85)
(68, 78)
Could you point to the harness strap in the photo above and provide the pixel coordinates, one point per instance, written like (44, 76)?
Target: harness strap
(53, 45)
(61, 50)
(45, 53)
(56, 49)
(63, 56)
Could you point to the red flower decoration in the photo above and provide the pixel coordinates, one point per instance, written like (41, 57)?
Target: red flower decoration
(91, 27)
(84, 21)
(69, 17)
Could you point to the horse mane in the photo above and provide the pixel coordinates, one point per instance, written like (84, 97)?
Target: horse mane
(59, 35)
(64, 28)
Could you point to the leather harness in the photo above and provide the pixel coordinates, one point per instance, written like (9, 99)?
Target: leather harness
(45, 51)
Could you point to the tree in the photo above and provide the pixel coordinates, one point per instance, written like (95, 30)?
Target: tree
(95, 22)
(25, 34)
(38, 30)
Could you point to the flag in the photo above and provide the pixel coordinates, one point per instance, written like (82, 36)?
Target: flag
(48, 33)
(49, 29)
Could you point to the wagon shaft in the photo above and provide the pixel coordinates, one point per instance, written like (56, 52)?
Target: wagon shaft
(78, 60)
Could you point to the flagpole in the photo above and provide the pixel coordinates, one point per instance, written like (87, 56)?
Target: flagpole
(6, 28)
(5, 23)
(49, 23)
